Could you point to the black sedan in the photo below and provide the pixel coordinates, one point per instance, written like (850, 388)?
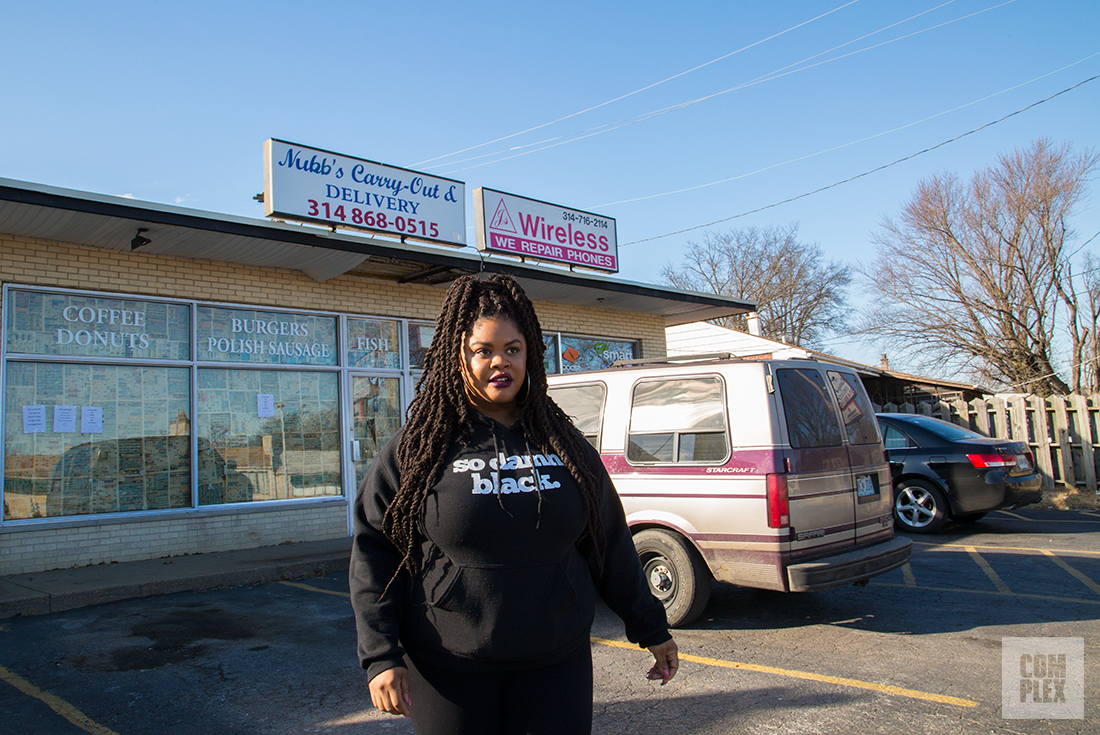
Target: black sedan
(942, 470)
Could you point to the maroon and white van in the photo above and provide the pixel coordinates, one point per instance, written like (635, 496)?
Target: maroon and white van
(767, 474)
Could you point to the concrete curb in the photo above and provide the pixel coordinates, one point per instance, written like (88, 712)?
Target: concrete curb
(41, 593)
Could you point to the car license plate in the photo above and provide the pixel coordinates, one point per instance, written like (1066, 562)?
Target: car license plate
(1021, 461)
(865, 486)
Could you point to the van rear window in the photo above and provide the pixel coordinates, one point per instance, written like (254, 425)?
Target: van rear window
(678, 420)
(855, 408)
(583, 404)
(808, 408)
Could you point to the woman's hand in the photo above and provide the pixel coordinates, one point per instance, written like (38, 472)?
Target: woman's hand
(389, 691)
(666, 662)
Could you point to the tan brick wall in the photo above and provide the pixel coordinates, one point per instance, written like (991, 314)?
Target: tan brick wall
(23, 551)
(44, 263)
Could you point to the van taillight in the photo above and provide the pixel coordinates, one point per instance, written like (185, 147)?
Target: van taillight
(779, 507)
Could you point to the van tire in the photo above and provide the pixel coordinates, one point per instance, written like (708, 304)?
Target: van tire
(676, 574)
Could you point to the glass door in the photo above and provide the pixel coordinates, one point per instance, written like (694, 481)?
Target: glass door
(376, 410)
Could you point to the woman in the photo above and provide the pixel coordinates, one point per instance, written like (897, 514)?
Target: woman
(483, 532)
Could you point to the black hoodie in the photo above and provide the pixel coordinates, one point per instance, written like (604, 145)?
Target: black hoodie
(507, 579)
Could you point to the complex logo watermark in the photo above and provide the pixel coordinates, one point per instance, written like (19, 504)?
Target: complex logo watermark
(1043, 678)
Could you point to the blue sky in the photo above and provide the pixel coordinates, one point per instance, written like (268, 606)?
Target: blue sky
(171, 102)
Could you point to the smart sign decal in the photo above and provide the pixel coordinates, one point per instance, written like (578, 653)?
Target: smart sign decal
(312, 185)
(506, 223)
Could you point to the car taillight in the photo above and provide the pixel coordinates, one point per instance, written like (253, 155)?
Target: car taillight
(779, 506)
(991, 461)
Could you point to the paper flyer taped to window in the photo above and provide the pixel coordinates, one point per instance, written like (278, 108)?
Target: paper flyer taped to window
(34, 419)
(91, 420)
(64, 419)
(265, 405)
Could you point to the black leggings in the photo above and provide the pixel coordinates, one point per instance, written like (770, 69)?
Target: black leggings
(553, 700)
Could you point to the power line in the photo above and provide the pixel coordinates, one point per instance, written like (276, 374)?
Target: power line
(865, 173)
(643, 89)
(844, 145)
(770, 76)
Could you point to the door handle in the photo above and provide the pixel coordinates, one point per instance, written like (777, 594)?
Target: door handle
(355, 457)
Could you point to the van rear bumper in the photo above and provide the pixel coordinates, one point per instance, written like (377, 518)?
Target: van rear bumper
(849, 567)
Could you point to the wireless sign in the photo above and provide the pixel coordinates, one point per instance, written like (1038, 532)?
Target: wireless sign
(506, 223)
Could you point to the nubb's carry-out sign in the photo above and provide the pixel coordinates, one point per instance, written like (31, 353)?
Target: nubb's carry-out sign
(312, 185)
(506, 223)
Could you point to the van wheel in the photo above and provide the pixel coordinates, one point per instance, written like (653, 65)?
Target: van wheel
(677, 576)
(919, 507)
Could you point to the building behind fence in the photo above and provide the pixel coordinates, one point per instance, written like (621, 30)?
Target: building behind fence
(1061, 430)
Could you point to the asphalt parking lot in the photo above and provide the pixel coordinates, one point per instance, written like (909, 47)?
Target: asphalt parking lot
(918, 650)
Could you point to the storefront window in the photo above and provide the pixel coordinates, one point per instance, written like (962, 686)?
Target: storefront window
(420, 339)
(374, 343)
(100, 390)
(265, 337)
(40, 323)
(375, 417)
(585, 353)
(91, 439)
(550, 358)
(267, 435)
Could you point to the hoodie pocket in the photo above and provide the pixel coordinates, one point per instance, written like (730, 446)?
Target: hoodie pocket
(510, 613)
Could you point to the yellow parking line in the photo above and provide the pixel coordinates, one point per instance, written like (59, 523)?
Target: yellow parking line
(856, 683)
(886, 689)
(311, 588)
(993, 576)
(907, 572)
(1080, 577)
(1016, 515)
(58, 705)
(1020, 595)
(1034, 550)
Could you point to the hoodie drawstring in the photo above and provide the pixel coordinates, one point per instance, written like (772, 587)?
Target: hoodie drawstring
(534, 474)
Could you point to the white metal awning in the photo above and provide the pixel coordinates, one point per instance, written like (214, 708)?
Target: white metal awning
(96, 220)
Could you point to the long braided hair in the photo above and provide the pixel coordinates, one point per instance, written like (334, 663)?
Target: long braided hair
(440, 413)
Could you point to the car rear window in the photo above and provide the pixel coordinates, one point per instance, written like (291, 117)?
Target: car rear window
(943, 429)
(678, 420)
(808, 409)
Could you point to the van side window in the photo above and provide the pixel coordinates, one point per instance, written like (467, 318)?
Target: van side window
(681, 420)
(811, 418)
(583, 404)
(855, 408)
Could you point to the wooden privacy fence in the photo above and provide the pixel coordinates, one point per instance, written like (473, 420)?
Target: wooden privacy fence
(1061, 430)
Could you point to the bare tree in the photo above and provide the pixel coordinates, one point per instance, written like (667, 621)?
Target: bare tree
(979, 276)
(800, 295)
(1090, 360)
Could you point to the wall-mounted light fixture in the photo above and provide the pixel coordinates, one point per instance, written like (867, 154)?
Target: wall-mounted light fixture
(139, 239)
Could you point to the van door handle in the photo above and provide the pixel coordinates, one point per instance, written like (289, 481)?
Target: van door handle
(355, 450)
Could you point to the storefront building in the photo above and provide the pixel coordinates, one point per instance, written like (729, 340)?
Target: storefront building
(178, 382)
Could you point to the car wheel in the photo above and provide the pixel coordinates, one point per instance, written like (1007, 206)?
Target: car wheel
(968, 517)
(919, 507)
(677, 576)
